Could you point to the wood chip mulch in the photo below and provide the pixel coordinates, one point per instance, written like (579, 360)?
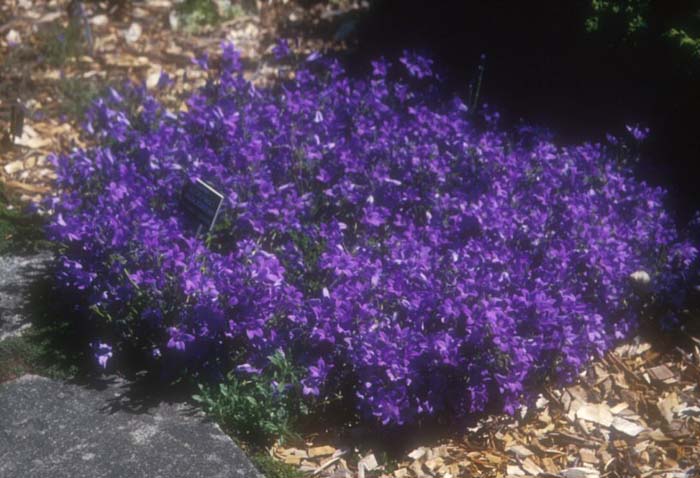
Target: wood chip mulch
(634, 413)
(137, 43)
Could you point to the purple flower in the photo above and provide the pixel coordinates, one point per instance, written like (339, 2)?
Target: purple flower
(178, 339)
(247, 368)
(425, 259)
(103, 352)
(202, 61)
(416, 65)
(638, 133)
(281, 49)
(380, 67)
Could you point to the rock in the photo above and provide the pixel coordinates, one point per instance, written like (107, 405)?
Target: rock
(133, 33)
(55, 429)
(19, 273)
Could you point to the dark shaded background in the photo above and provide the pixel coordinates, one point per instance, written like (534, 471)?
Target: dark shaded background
(542, 66)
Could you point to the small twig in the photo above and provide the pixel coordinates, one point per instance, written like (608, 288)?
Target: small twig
(687, 360)
(620, 365)
(658, 472)
(24, 187)
(329, 462)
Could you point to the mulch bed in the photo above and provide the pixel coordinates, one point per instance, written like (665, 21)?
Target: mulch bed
(635, 412)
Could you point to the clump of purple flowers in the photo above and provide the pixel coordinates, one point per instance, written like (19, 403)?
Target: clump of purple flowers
(398, 251)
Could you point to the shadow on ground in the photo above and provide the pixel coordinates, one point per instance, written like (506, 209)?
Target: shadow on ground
(55, 344)
(542, 67)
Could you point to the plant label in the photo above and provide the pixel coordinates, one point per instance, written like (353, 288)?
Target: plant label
(201, 203)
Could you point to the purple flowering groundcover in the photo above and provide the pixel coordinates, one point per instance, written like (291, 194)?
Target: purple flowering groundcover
(371, 230)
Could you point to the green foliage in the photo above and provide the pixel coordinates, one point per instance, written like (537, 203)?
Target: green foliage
(311, 250)
(627, 17)
(272, 468)
(686, 41)
(18, 233)
(200, 13)
(77, 94)
(57, 44)
(33, 353)
(51, 347)
(628, 20)
(257, 407)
